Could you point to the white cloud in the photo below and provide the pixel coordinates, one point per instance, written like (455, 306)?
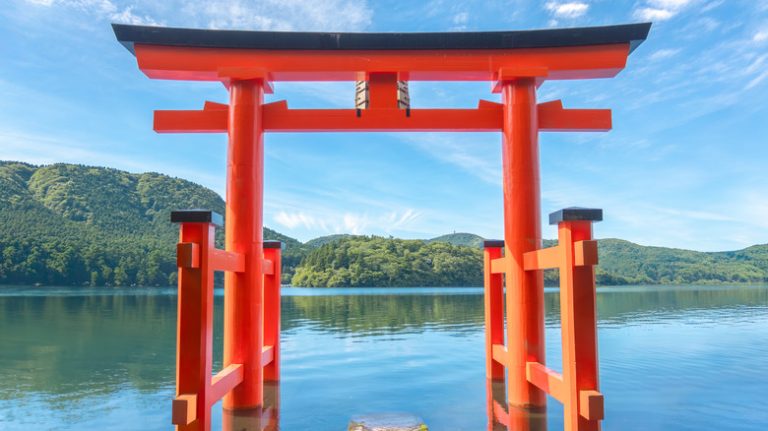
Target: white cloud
(286, 15)
(756, 80)
(105, 9)
(651, 14)
(479, 156)
(461, 18)
(760, 36)
(294, 220)
(572, 9)
(669, 4)
(660, 10)
(355, 223)
(663, 54)
(329, 221)
(397, 221)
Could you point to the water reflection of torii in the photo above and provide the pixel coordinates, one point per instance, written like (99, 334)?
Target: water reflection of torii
(516, 62)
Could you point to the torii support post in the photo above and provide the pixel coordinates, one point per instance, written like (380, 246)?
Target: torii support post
(577, 387)
(522, 233)
(197, 260)
(243, 292)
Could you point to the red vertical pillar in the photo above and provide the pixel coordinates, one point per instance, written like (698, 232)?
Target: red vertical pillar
(243, 312)
(272, 310)
(522, 233)
(494, 309)
(584, 404)
(194, 338)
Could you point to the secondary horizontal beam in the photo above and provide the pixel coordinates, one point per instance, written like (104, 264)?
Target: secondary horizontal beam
(277, 117)
(500, 354)
(545, 258)
(225, 381)
(267, 355)
(546, 379)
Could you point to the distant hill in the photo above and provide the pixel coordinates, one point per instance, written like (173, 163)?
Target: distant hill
(75, 224)
(327, 239)
(384, 262)
(80, 225)
(465, 239)
(636, 264)
(360, 261)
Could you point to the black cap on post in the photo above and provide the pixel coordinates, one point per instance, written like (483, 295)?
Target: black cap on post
(576, 214)
(273, 244)
(491, 243)
(197, 216)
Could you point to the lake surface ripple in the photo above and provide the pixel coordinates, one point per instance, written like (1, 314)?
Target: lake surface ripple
(671, 358)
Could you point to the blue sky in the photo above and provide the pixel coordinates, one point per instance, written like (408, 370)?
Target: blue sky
(685, 166)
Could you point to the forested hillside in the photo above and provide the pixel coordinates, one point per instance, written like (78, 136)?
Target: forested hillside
(74, 224)
(377, 261)
(78, 225)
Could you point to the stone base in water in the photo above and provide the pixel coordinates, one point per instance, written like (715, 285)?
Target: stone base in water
(387, 422)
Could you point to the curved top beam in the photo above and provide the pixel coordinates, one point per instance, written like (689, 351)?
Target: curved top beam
(632, 34)
(225, 55)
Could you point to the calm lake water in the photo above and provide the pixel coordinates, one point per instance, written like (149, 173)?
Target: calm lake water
(672, 358)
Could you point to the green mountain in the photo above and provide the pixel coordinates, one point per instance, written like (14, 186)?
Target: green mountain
(636, 264)
(385, 262)
(323, 240)
(74, 224)
(79, 225)
(461, 238)
(376, 261)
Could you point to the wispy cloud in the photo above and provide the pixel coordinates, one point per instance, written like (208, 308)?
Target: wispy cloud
(754, 82)
(104, 9)
(476, 154)
(660, 10)
(663, 54)
(567, 10)
(330, 221)
(286, 15)
(460, 21)
(327, 15)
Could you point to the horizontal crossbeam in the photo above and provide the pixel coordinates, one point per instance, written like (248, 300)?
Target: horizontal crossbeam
(222, 260)
(500, 354)
(499, 266)
(545, 258)
(546, 379)
(267, 355)
(584, 254)
(267, 267)
(276, 117)
(225, 381)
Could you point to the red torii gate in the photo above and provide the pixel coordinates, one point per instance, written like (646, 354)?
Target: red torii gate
(516, 62)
